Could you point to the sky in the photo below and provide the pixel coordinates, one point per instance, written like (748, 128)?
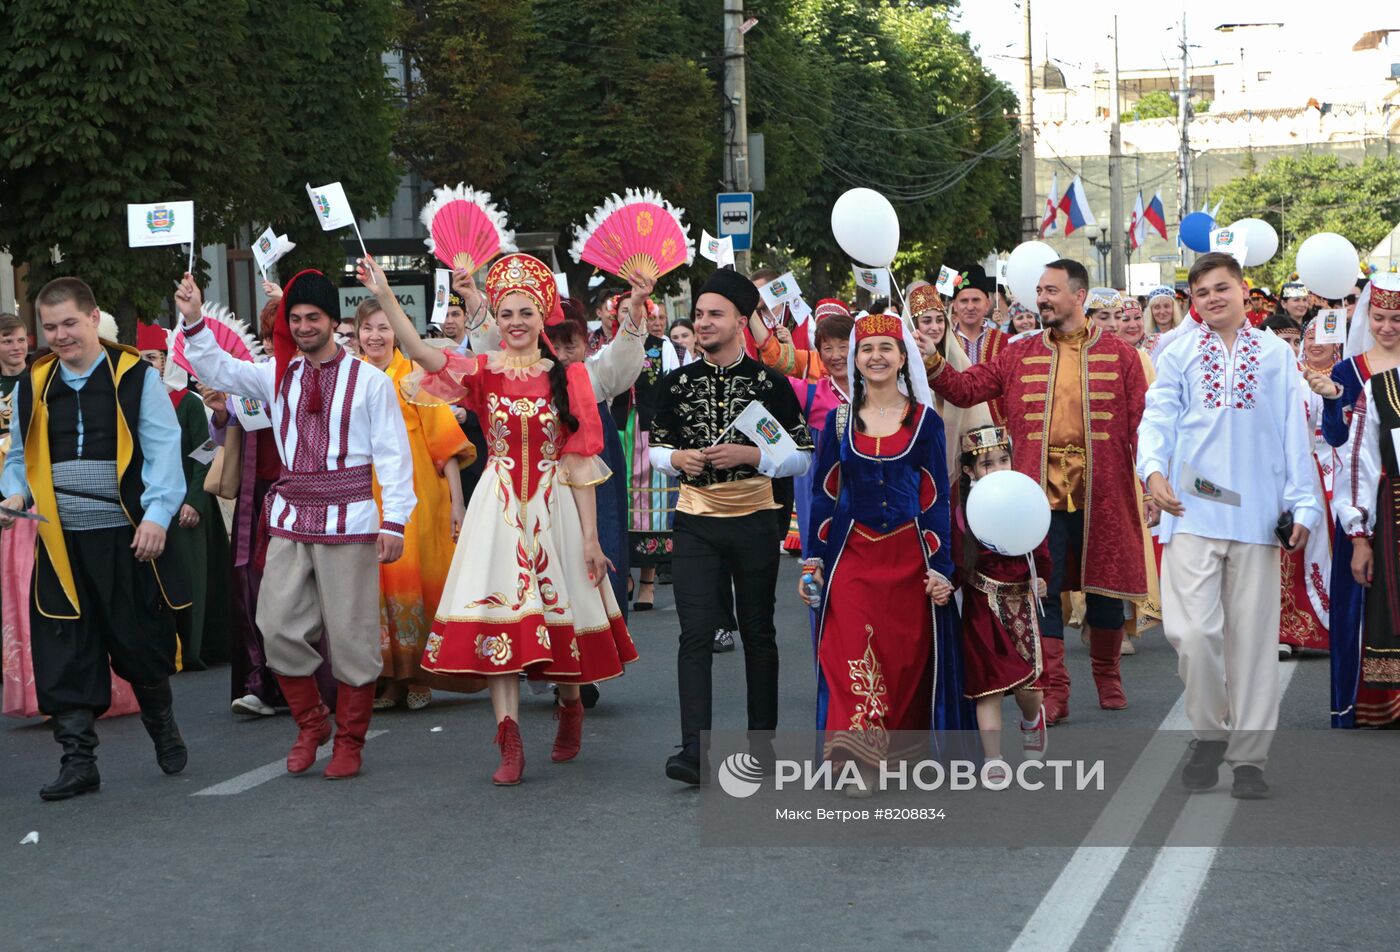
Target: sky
(1078, 33)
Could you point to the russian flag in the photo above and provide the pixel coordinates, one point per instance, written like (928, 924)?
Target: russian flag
(1154, 215)
(1075, 205)
(1052, 208)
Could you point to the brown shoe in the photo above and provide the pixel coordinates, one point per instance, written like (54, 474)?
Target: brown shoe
(569, 738)
(1105, 648)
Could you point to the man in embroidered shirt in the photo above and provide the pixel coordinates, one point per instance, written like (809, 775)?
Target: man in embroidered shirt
(338, 423)
(728, 524)
(1082, 455)
(1226, 430)
(96, 447)
(972, 303)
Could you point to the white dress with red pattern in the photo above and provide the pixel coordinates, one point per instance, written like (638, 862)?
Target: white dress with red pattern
(518, 597)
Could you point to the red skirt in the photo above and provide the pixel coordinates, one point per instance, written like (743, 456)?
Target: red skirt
(876, 648)
(1000, 637)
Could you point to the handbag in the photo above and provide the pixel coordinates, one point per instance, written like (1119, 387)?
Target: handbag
(225, 475)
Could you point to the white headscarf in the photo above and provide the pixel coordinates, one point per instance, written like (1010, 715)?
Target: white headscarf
(914, 359)
(1359, 339)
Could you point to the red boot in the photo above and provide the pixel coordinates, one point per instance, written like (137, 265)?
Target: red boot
(1055, 679)
(352, 709)
(1105, 646)
(312, 717)
(512, 754)
(570, 736)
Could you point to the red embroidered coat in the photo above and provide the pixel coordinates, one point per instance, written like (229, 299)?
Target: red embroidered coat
(1023, 375)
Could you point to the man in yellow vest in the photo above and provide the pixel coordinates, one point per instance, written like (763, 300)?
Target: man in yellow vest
(96, 448)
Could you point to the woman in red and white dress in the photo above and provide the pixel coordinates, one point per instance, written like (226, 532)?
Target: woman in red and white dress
(525, 592)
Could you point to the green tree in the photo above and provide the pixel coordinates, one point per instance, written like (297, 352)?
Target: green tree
(1157, 104)
(889, 97)
(1301, 195)
(132, 101)
(467, 96)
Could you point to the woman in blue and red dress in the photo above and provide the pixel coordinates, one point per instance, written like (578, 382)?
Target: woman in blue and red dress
(888, 657)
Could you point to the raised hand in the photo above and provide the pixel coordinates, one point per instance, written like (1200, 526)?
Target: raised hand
(188, 299)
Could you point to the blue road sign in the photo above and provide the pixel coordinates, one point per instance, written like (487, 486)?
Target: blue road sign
(734, 213)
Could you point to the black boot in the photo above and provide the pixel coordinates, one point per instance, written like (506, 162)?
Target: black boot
(78, 773)
(158, 715)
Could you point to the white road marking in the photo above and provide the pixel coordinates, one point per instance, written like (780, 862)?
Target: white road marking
(1060, 917)
(261, 775)
(1162, 907)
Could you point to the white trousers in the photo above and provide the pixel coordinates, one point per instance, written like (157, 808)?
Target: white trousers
(1220, 611)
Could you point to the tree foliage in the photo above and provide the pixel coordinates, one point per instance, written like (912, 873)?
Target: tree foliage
(615, 93)
(231, 103)
(1301, 195)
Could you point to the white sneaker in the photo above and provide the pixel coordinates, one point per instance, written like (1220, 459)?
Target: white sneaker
(1034, 738)
(252, 705)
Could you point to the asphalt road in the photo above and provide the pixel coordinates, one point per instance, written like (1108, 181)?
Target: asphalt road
(422, 852)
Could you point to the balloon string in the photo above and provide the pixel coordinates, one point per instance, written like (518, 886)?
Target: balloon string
(1039, 604)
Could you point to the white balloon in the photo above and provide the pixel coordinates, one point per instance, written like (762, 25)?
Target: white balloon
(1328, 264)
(866, 227)
(1008, 512)
(1260, 240)
(1025, 266)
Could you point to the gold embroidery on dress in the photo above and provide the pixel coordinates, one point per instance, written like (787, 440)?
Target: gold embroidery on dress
(868, 681)
(493, 648)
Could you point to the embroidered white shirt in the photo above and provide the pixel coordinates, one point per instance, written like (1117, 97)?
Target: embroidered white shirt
(359, 424)
(1238, 419)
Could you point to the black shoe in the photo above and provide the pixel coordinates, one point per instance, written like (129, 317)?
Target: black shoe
(663, 576)
(73, 780)
(158, 717)
(588, 694)
(76, 731)
(724, 640)
(761, 750)
(685, 766)
(1249, 784)
(1202, 771)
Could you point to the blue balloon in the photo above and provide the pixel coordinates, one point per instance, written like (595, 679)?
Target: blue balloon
(1195, 231)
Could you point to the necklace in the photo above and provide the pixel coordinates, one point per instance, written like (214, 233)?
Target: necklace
(881, 410)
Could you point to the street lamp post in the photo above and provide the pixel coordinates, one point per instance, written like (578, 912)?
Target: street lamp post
(1100, 243)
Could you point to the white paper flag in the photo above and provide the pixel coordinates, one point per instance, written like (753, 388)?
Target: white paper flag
(332, 207)
(947, 281)
(561, 281)
(800, 311)
(1001, 274)
(204, 452)
(779, 291)
(874, 280)
(766, 432)
(1194, 484)
(269, 248)
(251, 414)
(1229, 240)
(160, 223)
(442, 285)
(718, 250)
(1331, 325)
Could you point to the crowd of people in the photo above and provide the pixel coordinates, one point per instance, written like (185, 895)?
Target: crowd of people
(389, 513)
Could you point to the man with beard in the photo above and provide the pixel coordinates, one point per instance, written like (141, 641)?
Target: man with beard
(1075, 396)
(338, 425)
(728, 523)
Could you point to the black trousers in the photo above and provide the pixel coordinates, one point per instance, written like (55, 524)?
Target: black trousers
(124, 623)
(710, 554)
(1066, 541)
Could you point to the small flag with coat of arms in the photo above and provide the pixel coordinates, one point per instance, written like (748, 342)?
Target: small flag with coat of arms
(948, 281)
(442, 286)
(874, 280)
(269, 248)
(160, 223)
(767, 433)
(331, 206)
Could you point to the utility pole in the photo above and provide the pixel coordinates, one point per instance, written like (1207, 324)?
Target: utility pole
(736, 146)
(1183, 117)
(1030, 213)
(1118, 272)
